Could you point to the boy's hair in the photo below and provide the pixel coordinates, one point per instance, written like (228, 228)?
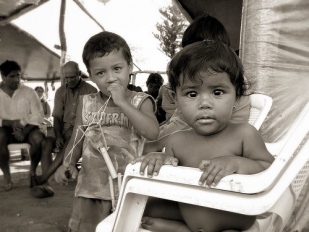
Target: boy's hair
(155, 78)
(206, 56)
(104, 43)
(9, 66)
(205, 27)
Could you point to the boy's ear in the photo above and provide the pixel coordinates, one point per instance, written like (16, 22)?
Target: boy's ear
(90, 76)
(130, 68)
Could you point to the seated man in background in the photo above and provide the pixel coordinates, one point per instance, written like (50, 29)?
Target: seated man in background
(64, 113)
(21, 116)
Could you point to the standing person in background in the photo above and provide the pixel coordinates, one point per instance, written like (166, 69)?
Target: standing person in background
(205, 27)
(64, 113)
(165, 104)
(21, 116)
(46, 107)
(154, 83)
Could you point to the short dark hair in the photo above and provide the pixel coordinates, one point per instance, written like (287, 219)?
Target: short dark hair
(104, 43)
(205, 27)
(39, 88)
(155, 78)
(9, 66)
(207, 56)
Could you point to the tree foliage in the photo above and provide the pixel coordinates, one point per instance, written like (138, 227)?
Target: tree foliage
(170, 31)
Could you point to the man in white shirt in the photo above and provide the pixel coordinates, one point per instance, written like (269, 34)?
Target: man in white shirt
(21, 116)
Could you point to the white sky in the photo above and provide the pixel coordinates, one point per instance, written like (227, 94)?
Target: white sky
(134, 20)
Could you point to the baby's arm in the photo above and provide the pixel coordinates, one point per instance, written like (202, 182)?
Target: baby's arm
(156, 145)
(154, 161)
(255, 158)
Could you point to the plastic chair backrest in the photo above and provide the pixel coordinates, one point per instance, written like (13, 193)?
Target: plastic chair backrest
(260, 105)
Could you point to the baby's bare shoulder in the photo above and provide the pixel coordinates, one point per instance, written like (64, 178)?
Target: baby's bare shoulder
(243, 129)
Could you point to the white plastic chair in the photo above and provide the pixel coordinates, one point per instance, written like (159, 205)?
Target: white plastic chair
(270, 194)
(18, 146)
(260, 105)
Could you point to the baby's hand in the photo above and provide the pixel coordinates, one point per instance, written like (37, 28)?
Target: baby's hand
(117, 92)
(217, 168)
(154, 161)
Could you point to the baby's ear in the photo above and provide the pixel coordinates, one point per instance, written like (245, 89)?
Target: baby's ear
(173, 95)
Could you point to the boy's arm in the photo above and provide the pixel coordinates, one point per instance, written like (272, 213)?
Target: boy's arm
(143, 120)
(72, 153)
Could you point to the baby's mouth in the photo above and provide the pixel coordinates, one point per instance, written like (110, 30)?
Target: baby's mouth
(205, 119)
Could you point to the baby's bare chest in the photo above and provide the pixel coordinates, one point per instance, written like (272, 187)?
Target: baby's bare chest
(191, 153)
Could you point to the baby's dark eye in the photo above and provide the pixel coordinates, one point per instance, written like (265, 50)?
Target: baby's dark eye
(117, 69)
(192, 94)
(218, 92)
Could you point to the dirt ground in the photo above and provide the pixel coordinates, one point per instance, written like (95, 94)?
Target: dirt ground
(20, 212)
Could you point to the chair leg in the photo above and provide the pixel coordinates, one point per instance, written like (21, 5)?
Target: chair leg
(130, 212)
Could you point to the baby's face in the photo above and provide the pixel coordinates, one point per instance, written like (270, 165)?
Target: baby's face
(206, 104)
(111, 68)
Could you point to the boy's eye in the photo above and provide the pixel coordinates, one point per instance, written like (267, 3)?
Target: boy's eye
(117, 68)
(218, 92)
(192, 94)
(101, 73)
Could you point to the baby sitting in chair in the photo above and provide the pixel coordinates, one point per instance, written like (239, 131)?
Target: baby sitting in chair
(207, 79)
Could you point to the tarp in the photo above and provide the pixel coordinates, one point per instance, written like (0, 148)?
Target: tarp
(275, 55)
(37, 62)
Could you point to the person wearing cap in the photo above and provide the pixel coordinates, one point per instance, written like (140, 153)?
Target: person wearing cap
(64, 113)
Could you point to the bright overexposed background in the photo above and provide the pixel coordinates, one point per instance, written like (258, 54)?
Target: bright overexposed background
(134, 20)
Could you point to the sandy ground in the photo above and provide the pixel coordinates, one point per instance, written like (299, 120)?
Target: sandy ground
(20, 212)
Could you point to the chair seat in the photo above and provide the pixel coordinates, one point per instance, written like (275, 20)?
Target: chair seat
(13, 147)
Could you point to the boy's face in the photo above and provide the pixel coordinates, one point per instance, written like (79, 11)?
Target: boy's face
(206, 105)
(111, 68)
